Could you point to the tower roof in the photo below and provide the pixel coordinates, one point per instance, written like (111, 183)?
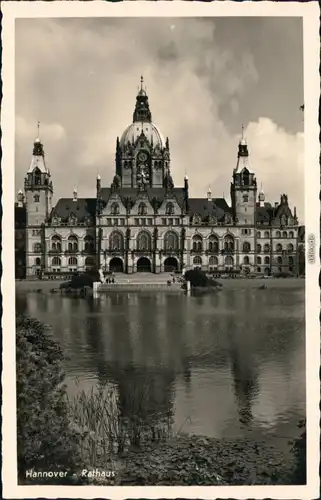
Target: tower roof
(38, 157)
(242, 156)
(142, 112)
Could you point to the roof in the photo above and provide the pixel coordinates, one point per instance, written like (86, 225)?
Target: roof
(133, 193)
(82, 208)
(217, 207)
(20, 216)
(150, 131)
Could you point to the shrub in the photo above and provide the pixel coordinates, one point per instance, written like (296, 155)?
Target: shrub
(299, 449)
(81, 280)
(44, 438)
(199, 279)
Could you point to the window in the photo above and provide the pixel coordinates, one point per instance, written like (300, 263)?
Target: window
(258, 234)
(36, 198)
(56, 262)
(144, 241)
(171, 241)
(266, 260)
(122, 222)
(37, 247)
(291, 234)
(213, 261)
(278, 234)
(291, 261)
(290, 247)
(266, 234)
(142, 209)
(116, 241)
(266, 248)
(229, 243)
(150, 222)
(197, 261)
(37, 261)
(72, 261)
(164, 222)
(258, 248)
(245, 198)
(284, 234)
(258, 269)
(229, 262)
(246, 247)
(246, 260)
(259, 260)
(72, 244)
(279, 260)
(169, 209)
(136, 222)
(89, 263)
(278, 247)
(213, 245)
(108, 222)
(56, 243)
(89, 243)
(114, 209)
(197, 243)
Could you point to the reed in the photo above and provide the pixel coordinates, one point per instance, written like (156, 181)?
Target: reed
(98, 417)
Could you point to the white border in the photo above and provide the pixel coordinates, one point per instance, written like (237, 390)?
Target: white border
(310, 13)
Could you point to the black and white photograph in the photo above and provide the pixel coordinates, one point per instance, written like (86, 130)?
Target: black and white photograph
(159, 250)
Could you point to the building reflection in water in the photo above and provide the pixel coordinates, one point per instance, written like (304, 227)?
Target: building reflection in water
(210, 357)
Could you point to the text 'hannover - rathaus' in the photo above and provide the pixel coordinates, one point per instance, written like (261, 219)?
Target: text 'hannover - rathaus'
(142, 222)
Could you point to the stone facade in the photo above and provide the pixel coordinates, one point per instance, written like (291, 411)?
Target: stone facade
(142, 222)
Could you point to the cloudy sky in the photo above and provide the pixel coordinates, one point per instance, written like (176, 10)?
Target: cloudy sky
(204, 78)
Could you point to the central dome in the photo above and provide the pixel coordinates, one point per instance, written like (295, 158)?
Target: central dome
(135, 129)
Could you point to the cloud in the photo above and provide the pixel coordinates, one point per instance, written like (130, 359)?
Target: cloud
(80, 77)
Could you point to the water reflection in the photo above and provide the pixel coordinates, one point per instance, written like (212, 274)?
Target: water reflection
(225, 364)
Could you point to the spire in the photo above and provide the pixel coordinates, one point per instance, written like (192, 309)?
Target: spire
(209, 194)
(38, 155)
(142, 112)
(75, 194)
(243, 151)
(37, 145)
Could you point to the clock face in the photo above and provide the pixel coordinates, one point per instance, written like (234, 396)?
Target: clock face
(142, 157)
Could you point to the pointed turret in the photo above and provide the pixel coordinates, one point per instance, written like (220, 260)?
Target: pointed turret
(142, 112)
(38, 156)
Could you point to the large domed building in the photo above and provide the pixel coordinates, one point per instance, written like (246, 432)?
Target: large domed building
(142, 222)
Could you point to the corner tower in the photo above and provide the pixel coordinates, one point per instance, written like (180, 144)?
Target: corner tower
(243, 188)
(142, 154)
(38, 187)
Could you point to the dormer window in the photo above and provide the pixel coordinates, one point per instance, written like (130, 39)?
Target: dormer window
(115, 209)
(142, 209)
(36, 198)
(169, 209)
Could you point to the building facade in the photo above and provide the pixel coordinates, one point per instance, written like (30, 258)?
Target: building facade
(142, 222)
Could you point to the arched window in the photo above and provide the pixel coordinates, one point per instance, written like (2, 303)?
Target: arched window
(284, 234)
(291, 234)
(246, 261)
(171, 241)
(114, 209)
(56, 261)
(72, 243)
(266, 234)
(37, 261)
(259, 248)
(89, 243)
(245, 198)
(36, 198)
(266, 260)
(246, 247)
(72, 261)
(278, 234)
(290, 247)
(213, 261)
(56, 243)
(197, 261)
(116, 241)
(278, 247)
(213, 245)
(258, 234)
(229, 262)
(246, 177)
(258, 260)
(169, 209)
(279, 260)
(37, 247)
(228, 243)
(197, 243)
(37, 177)
(266, 248)
(144, 241)
(89, 263)
(142, 209)
(291, 261)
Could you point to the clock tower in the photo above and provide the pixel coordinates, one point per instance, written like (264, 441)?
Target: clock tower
(142, 154)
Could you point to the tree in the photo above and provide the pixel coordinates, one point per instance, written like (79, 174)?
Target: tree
(44, 438)
(198, 278)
